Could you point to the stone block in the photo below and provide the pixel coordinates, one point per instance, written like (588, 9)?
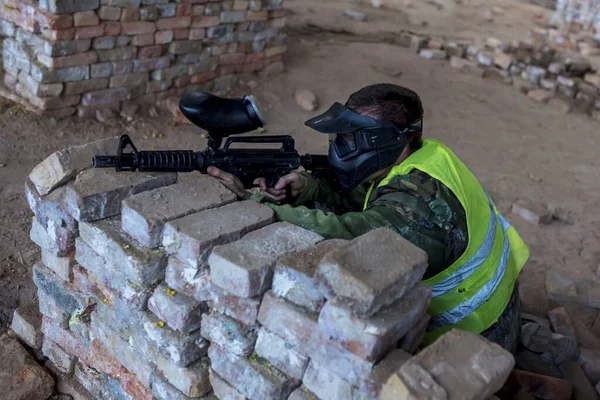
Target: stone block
(182, 349)
(222, 389)
(299, 328)
(432, 54)
(466, 66)
(371, 338)
(41, 238)
(173, 23)
(281, 354)
(68, 385)
(245, 267)
(294, 276)
(176, 310)
(90, 85)
(101, 70)
(149, 13)
(185, 47)
(373, 270)
(564, 289)
(144, 215)
(231, 335)
(98, 384)
(192, 237)
(232, 17)
(85, 18)
(25, 379)
(252, 377)
(302, 393)
(589, 360)
(118, 54)
(170, 73)
(459, 364)
(70, 74)
(122, 67)
(98, 193)
(61, 266)
(60, 359)
(561, 323)
(371, 386)
(27, 323)
(109, 13)
(192, 381)
(130, 79)
(52, 288)
(325, 384)
(35, 88)
(414, 337)
(68, 6)
(61, 166)
(123, 3)
(166, 10)
(151, 64)
(141, 266)
(242, 309)
(143, 40)
(189, 280)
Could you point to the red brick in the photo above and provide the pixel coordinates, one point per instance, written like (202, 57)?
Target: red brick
(196, 34)
(69, 61)
(205, 21)
(59, 35)
(182, 81)
(137, 28)
(143, 40)
(255, 66)
(166, 94)
(173, 23)
(231, 69)
(254, 57)
(150, 52)
(183, 10)
(163, 37)
(182, 33)
(198, 10)
(107, 96)
(232, 59)
(130, 14)
(109, 13)
(150, 64)
(89, 32)
(65, 340)
(53, 21)
(257, 15)
(86, 18)
(112, 28)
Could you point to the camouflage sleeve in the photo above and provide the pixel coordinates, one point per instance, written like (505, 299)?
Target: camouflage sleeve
(320, 191)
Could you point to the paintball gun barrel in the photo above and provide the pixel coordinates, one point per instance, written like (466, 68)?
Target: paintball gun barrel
(220, 117)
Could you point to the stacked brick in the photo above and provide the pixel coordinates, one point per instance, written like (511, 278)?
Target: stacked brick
(158, 286)
(550, 67)
(66, 57)
(585, 14)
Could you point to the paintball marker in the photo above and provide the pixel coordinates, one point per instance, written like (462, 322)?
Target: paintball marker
(220, 118)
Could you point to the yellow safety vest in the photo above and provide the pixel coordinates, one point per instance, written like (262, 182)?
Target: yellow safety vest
(472, 293)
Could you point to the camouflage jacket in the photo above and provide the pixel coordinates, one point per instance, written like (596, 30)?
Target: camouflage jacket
(415, 205)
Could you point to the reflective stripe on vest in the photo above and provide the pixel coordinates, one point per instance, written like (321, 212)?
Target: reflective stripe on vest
(471, 293)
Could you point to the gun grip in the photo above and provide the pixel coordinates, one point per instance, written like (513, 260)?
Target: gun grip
(272, 180)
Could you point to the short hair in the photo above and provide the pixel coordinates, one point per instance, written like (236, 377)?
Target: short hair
(389, 102)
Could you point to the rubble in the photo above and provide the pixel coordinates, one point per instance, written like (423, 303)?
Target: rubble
(564, 288)
(306, 99)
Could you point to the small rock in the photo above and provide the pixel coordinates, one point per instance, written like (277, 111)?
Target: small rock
(390, 71)
(466, 66)
(534, 214)
(526, 318)
(153, 112)
(454, 50)
(541, 96)
(252, 84)
(594, 79)
(498, 10)
(307, 100)
(485, 59)
(431, 54)
(503, 60)
(105, 115)
(128, 111)
(355, 15)
(493, 42)
(487, 15)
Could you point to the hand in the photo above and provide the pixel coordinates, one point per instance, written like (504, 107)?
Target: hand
(296, 182)
(228, 180)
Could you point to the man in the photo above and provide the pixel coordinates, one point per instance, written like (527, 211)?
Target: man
(388, 176)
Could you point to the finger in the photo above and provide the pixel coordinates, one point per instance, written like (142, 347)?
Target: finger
(285, 180)
(219, 174)
(273, 197)
(275, 192)
(261, 182)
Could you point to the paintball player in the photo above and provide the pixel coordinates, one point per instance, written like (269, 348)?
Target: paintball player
(388, 176)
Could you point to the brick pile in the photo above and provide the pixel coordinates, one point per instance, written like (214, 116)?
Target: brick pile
(164, 286)
(66, 57)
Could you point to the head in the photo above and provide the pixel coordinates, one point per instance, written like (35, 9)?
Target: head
(378, 127)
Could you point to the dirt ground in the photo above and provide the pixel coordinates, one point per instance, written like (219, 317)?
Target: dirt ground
(519, 150)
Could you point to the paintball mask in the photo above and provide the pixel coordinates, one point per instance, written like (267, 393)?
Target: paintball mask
(362, 145)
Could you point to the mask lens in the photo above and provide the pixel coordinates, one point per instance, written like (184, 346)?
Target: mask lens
(344, 144)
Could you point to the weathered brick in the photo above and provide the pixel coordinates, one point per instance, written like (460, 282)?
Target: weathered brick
(68, 7)
(299, 328)
(61, 360)
(137, 28)
(222, 389)
(582, 387)
(85, 86)
(112, 28)
(7, 28)
(589, 360)
(163, 37)
(205, 64)
(414, 337)
(52, 103)
(176, 310)
(370, 387)
(214, 8)
(204, 77)
(89, 32)
(281, 354)
(181, 33)
(70, 74)
(55, 295)
(325, 384)
(205, 21)
(228, 333)
(183, 9)
(104, 43)
(123, 3)
(150, 52)
(131, 79)
(370, 338)
(151, 64)
(373, 270)
(185, 46)
(242, 268)
(181, 349)
(68, 61)
(252, 378)
(61, 266)
(191, 238)
(149, 13)
(52, 21)
(241, 308)
(561, 322)
(257, 15)
(143, 40)
(42, 239)
(35, 88)
(25, 379)
(144, 215)
(294, 276)
(123, 53)
(85, 18)
(564, 288)
(173, 23)
(102, 70)
(188, 280)
(121, 67)
(141, 266)
(166, 10)
(302, 393)
(232, 17)
(541, 386)
(109, 13)
(163, 390)
(26, 324)
(192, 381)
(130, 14)
(101, 97)
(477, 370)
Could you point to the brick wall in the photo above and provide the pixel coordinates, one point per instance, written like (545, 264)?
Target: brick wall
(158, 286)
(66, 57)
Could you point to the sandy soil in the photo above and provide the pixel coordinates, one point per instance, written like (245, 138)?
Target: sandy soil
(519, 150)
